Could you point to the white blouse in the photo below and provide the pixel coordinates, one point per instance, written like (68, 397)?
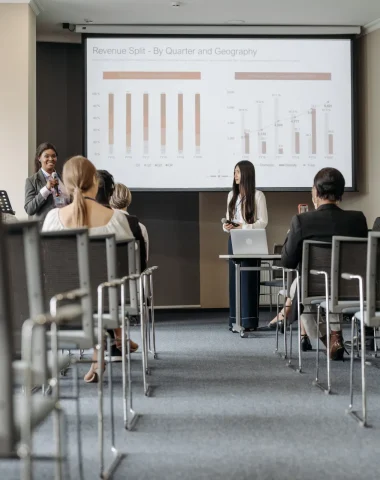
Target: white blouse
(118, 225)
(261, 212)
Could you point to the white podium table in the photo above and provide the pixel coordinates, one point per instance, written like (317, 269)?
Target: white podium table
(237, 259)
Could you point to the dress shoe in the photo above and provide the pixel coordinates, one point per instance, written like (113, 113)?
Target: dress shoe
(305, 343)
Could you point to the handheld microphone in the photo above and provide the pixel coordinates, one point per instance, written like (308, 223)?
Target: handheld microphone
(55, 177)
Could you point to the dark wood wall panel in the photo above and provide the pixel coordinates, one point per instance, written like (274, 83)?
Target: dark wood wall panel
(60, 98)
(172, 218)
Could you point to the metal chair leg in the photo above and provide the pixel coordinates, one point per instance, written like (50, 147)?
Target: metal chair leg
(350, 407)
(118, 457)
(270, 299)
(152, 346)
(129, 421)
(147, 389)
(278, 307)
(77, 419)
(316, 381)
(361, 419)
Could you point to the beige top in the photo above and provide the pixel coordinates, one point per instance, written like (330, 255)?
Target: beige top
(118, 225)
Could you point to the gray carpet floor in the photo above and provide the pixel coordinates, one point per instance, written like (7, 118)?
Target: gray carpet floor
(224, 408)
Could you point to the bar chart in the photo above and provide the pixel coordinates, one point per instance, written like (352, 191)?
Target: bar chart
(151, 122)
(282, 135)
(171, 109)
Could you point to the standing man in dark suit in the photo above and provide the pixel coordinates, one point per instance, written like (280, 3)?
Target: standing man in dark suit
(42, 191)
(326, 221)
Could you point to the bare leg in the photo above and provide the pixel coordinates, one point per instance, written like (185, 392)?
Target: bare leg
(281, 313)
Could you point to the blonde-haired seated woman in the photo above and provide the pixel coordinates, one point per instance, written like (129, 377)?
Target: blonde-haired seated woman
(121, 200)
(80, 179)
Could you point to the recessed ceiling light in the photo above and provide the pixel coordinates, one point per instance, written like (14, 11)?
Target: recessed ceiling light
(235, 22)
(86, 20)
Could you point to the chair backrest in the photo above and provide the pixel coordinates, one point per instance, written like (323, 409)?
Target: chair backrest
(315, 256)
(349, 255)
(67, 267)
(126, 265)
(28, 299)
(103, 268)
(7, 439)
(277, 274)
(373, 279)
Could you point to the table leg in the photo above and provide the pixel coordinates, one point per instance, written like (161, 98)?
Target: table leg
(237, 326)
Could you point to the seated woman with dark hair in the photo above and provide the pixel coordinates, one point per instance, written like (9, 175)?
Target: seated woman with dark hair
(105, 192)
(326, 221)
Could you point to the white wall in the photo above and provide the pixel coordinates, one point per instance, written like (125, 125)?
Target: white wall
(17, 99)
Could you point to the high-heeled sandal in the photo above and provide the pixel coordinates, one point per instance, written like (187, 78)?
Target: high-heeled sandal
(93, 375)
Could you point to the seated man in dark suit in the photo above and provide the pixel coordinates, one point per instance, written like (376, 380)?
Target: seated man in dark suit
(322, 224)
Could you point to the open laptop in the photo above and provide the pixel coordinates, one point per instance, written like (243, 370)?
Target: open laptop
(249, 242)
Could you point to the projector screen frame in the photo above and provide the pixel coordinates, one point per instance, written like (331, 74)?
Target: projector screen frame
(354, 98)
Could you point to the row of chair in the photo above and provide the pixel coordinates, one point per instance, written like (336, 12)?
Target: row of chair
(323, 282)
(103, 287)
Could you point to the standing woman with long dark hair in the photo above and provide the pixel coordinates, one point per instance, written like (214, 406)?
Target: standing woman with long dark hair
(246, 207)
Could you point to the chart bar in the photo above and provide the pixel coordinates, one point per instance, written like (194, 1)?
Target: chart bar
(313, 131)
(197, 123)
(180, 123)
(331, 144)
(163, 123)
(282, 76)
(280, 151)
(146, 122)
(244, 135)
(129, 122)
(111, 121)
(246, 143)
(297, 143)
(151, 75)
(276, 118)
(260, 127)
(264, 148)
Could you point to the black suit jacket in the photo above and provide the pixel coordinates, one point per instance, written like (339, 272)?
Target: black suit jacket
(35, 204)
(322, 224)
(137, 233)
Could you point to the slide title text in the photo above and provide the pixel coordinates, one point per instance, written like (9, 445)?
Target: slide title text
(229, 52)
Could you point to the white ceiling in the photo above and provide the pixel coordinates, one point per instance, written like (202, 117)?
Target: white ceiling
(207, 12)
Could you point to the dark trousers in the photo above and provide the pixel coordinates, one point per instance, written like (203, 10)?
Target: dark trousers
(249, 290)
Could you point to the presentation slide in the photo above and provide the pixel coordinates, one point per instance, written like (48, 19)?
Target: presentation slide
(179, 113)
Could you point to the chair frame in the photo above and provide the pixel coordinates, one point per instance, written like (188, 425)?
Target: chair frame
(332, 304)
(367, 317)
